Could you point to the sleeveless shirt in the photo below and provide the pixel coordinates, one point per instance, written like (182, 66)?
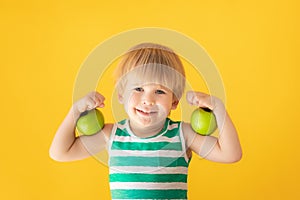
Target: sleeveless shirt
(148, 168)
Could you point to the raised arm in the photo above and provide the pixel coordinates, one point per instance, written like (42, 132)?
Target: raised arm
(65, 146)
(226, 148)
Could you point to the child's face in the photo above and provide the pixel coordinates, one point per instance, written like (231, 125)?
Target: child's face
(147, 104)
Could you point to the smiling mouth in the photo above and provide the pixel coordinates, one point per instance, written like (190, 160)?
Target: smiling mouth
(145, 113)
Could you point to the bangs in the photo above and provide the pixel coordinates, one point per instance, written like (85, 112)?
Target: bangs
(154, 73)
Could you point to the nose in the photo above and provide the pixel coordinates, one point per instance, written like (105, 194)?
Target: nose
(148, 103)
(148, 100)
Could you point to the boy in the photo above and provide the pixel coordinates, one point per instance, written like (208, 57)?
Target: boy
(149, 153)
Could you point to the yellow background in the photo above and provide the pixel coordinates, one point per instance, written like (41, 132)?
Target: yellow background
(253, 43)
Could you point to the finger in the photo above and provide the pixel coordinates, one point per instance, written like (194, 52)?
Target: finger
(194, 98)
(190, 96)
(100, 103)
(199, 99)
(207, 102)
(91, 104)
(99, 99)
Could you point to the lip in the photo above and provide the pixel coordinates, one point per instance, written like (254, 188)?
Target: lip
(145, 112)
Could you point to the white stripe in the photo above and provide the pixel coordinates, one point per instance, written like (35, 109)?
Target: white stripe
(172, 126)
(155, 153)
(148, 170)
(155, 139)
(125, 126)
(122, 126)
(145, 185)
(183, 144)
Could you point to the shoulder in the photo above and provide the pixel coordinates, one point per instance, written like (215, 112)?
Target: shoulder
(185, 127)
(111, 129)
(188, 133)
(107, 129)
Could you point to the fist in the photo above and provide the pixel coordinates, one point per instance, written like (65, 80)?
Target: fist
(90, 101)
(202, 100)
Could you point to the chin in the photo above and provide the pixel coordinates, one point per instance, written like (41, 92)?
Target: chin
(147, 121)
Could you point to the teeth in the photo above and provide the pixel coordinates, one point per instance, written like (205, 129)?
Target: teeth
(146, 112)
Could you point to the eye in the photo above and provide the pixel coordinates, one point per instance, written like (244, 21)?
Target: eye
(160, 92)
(139, 89)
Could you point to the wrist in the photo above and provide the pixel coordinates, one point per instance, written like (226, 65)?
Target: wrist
(219, 106)
(75, 112)
(219, 112)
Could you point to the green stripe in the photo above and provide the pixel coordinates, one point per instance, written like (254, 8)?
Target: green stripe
(172, 133)
(148, 178)
(147, 161)
(149, 194)
(122, 133)
(122, 122)
(146, 146)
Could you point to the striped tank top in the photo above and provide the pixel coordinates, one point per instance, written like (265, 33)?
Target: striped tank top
(148, 168)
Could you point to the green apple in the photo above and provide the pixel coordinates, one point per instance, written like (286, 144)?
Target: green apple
(203, 121)
(90, 122)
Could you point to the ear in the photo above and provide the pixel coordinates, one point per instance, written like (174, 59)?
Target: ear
(174, 104)
(120, 98)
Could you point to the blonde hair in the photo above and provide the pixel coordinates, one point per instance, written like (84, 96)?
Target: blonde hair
(154, 63)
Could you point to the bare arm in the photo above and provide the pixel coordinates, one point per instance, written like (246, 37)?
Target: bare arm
(224, 149)
(65, 146)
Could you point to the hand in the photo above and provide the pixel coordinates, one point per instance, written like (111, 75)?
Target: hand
(90, 101)
(203, 100)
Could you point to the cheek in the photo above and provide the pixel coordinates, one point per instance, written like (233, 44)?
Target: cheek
(166, 103)
(132, 99)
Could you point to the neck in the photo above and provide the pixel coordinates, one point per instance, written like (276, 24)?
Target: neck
(146, 131)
